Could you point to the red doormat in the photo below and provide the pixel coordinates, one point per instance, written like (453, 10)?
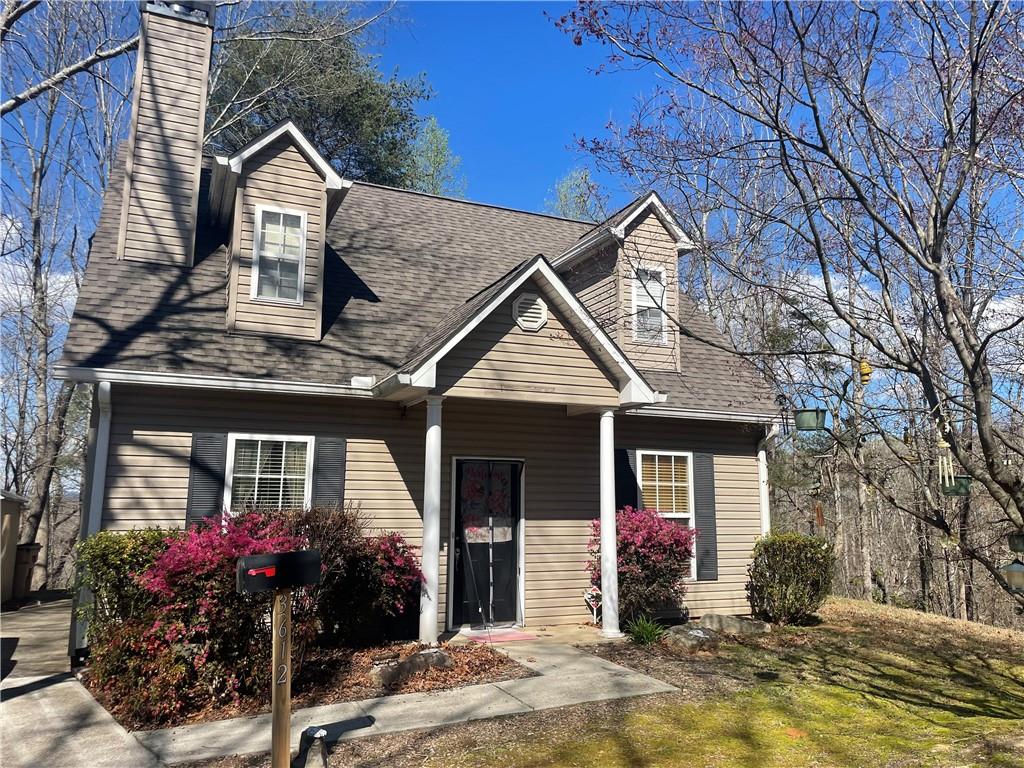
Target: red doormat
(500, 636)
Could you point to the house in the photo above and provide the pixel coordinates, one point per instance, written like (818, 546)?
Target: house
(483, 380)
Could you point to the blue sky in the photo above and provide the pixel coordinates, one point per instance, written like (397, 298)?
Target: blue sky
(512, 91)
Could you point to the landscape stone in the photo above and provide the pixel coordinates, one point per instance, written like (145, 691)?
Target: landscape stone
(387, 673)
(688, 637)
(734, 625)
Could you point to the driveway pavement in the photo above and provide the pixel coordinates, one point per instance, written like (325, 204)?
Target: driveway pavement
(47, 718)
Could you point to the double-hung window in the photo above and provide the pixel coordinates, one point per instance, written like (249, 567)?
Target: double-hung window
(280, 253)
(666, 485)
(269, 471)
(648, 305)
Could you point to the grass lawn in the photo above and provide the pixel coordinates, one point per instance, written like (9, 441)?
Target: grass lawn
(868, 686)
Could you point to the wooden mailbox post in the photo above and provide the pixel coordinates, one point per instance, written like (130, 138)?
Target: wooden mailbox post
(280, 572)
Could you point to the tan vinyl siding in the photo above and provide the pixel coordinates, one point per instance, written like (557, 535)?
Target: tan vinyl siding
(594, 281)
(151, 438)
(500, 360)
(151, 433)
(737, 500)
(648, 243)
(158, 215)
(281, 177)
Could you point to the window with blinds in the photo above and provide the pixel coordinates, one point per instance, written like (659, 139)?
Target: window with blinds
(665, 484)
(269, 472)
(648, 305)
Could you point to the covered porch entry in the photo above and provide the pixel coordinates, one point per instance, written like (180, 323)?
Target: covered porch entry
(532, 383)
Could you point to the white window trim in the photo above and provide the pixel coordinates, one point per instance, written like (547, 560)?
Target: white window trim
(638, 289)
(257, 246)
(692, 515)
(229, 470)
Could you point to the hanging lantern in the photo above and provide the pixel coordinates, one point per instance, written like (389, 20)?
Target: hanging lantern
(957, 485)
(865, 370)
(809, 419)
(1014, 575)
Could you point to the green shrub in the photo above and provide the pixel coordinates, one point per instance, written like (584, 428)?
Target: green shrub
(109, 563)
(644, 630)
(790, 577)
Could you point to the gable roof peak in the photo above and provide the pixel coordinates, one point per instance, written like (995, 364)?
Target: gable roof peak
(287, 128)
(614, 228)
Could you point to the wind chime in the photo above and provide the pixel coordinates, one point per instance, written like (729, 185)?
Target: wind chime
(950, 483)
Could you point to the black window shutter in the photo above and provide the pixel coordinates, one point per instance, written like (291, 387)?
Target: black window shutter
(704, 516)
(206, 476)
(625, 478)
(329, 472)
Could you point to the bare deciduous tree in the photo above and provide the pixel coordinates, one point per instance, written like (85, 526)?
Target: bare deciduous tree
(857, 166)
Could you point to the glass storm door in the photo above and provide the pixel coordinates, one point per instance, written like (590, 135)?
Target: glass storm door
(487, 515)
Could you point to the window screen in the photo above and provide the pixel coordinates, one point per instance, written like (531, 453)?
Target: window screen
(280, 256)
(649, 297)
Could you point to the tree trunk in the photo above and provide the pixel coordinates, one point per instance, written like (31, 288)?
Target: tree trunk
(924, 564)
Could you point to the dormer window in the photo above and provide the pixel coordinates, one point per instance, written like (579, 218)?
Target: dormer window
(279, 257)
(648, 305)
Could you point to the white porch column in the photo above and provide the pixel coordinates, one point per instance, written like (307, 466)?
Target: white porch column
(431, 553)
(609, 548)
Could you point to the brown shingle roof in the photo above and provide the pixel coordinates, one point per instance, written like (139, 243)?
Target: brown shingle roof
(399, 266)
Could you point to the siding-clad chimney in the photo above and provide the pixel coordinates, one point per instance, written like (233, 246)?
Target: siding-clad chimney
(165, 142)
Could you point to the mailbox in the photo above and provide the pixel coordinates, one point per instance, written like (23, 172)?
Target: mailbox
(278, 570)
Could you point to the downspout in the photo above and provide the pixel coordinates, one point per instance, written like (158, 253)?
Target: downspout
(762, 477)
(92, 509)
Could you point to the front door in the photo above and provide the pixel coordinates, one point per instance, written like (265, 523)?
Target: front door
(486, 541)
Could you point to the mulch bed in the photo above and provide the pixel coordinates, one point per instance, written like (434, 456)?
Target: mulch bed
(334, 675)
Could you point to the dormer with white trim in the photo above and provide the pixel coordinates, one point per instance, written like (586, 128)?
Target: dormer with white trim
(625, 270)
(277, 195)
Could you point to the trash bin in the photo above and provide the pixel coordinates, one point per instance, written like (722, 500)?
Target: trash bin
(11, 506)
(23, 565)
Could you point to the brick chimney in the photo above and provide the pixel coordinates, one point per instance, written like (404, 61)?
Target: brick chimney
(165, 141)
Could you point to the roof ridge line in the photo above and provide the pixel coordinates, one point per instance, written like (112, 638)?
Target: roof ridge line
(477, 203)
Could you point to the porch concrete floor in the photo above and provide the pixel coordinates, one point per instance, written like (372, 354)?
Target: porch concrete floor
(567, 676)
(49, 719)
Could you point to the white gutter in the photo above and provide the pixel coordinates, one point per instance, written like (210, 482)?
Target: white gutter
(762, 478)
(160, 379)
(745, 417)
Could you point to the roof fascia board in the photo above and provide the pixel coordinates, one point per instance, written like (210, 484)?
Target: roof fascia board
(581, 247)
(195, 381)
(331, 177)
(653, 202)
(708, 415)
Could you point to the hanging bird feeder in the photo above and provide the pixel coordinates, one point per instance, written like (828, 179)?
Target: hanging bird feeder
(809, 419)
(1014, 575)
(865, 371)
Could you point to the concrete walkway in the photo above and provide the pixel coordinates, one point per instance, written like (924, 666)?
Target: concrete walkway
(566, 676)
(47, 719)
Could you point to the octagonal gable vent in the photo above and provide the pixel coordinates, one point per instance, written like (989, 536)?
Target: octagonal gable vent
(530, 312)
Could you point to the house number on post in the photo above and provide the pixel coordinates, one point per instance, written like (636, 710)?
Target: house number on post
(279, 572)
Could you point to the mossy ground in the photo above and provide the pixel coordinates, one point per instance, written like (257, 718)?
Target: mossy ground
(869, 686)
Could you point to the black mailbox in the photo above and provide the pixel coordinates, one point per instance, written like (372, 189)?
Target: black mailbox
(278, 570)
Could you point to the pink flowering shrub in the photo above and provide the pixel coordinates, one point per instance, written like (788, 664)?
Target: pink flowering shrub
(191, 641)
(653, 560)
